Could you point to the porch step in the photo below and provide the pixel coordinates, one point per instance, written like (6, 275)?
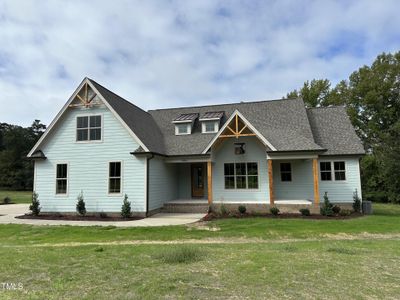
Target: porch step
(182, 207)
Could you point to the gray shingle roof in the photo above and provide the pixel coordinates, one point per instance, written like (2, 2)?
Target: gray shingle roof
(139, 121)
(333, 130)
(285, 123)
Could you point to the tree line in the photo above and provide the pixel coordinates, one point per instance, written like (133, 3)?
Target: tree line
(16, 171)
(372, 98)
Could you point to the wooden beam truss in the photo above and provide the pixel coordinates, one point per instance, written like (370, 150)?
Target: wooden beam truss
(237, 131)
(85, 99)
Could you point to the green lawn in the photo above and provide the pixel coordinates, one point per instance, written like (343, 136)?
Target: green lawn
(253, 258)
(16, 196)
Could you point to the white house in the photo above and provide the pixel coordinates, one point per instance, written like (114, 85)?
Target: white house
(253, 153)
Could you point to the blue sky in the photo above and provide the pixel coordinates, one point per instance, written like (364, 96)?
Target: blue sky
(177, 53)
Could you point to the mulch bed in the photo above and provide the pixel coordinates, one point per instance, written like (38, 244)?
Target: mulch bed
(7, 203)
(211, 217)
(77, 218)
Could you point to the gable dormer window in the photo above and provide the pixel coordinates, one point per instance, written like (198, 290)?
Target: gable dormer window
(210, 121)
(88, 128)
(184, 123)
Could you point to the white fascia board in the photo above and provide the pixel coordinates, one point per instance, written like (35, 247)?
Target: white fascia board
(58, 116)
(258, 134)
(117, 116)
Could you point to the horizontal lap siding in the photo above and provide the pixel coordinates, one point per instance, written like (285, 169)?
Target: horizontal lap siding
(342, 191)
(255, 152)
(88, 166)
(163, 184)
(302, 185)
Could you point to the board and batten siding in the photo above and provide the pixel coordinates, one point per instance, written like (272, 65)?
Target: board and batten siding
(163, 185)
(88, 166)
(225, 153)
(342, 191)
(302, 185)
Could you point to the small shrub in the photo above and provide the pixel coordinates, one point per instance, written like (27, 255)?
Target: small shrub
(126, 208)
(356, 202)
(336, 209)
(7, 200)
(35, 206)
(180, 254)
(211, 209)
(100, 249)
(345, 212)
(242, 209)
(223, 210)
(80, 205)
(103, 215)
(326, 208)
(274, 210)
(305, 211)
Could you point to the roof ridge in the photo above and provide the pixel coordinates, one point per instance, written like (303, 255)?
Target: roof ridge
(224, 104)
(129, 102)
(326, 107)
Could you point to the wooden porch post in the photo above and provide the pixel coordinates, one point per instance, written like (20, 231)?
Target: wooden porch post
(209, 182)
(271, 183)
(316, 184)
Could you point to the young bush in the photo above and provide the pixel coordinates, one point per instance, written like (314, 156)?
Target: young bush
(305, 211)
(356, 202)
(80, 205)
(180, 254)
(336, 209)
(345, 212)
(274, 210)
(7, 200)
(103, 215)
(223, 210)
(35, 206)
(242, 209)
(326, 208)
(126, 208)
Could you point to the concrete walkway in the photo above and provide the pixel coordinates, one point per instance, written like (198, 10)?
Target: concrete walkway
(10, 211)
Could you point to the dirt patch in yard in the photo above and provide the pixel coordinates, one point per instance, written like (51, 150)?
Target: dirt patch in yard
(213, 216)
(78, 218)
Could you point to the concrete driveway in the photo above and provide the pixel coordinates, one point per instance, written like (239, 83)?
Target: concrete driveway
(10, 211)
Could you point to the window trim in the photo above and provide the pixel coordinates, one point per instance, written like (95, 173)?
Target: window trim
(101, 129)
(121, 178)
(56, 178)
(188, 127)
(247, 176)
(286, 172)
(332, 163)
(203, 126)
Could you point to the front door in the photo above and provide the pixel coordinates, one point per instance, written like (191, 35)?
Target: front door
(197, 180)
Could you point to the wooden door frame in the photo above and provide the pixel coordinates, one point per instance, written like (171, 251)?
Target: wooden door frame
(192, 166)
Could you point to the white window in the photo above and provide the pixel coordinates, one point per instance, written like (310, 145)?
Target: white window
(209, 127)
(338, 168)
(88, 128)
(114, 180)
(241, 175)
(183, 128)
(61, 179)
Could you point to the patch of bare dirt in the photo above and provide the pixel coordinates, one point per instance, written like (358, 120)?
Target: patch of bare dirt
(77, 218)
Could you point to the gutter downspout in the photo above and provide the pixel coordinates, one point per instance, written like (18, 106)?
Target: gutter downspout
(147, 182)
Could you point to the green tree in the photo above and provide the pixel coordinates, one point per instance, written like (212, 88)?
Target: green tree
(315, 93)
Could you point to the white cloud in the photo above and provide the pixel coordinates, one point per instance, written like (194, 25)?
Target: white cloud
(173, 53)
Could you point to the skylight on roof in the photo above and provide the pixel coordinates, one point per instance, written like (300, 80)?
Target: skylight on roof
(212, 115)
(186, 118)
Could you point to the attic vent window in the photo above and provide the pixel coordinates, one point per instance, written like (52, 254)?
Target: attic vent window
(184, 123)
(210, 121)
